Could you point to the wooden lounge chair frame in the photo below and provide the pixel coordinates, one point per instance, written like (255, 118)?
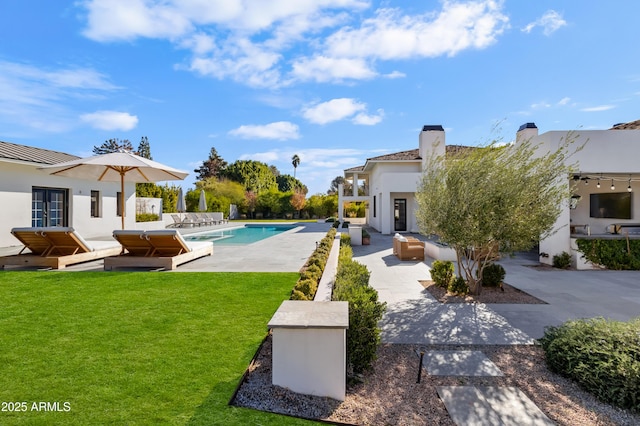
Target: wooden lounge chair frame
(55, 248)
(168, 250)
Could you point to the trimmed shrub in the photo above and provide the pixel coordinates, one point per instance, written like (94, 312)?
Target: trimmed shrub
(493, 275)
(602, 356)
(562, 260)
(307, 285)
(442, 273)
(458, 286)
(365, 311)
(612, 254)
(147, 217)
(298, 295)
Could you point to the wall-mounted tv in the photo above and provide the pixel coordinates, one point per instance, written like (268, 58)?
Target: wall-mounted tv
(614, 205)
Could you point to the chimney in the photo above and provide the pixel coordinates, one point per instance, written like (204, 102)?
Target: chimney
(431, 142)
(526, 132)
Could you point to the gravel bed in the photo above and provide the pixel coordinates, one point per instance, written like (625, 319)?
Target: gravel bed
(389, 394)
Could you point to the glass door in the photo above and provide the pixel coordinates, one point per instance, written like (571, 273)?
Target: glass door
(400, 214)
(49, 207)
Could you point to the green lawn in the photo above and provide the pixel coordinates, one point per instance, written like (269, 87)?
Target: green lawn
(133, 348)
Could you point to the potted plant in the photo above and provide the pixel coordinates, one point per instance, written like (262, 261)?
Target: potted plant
(366, 238)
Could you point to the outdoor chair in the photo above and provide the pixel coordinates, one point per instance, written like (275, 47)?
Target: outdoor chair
(56, 247)
(408, 248)
(161, 249)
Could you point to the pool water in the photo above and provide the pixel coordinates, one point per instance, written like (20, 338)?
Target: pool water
(240, 236)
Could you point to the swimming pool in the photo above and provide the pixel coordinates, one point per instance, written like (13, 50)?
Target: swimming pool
(240, 236)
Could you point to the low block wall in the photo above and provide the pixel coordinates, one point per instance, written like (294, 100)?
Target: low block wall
(438, 252)
(310, 347)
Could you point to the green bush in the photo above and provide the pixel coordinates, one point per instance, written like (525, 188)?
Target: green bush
(458, 286)
(612, 254)
(365, 311)
(493, 275)
(345, 239)
(562, 260)
(147, 217)
(442, 273)
(603, 356)
(307, 285)
(335, 224)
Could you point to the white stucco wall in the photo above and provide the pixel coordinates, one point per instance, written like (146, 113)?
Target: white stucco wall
(605, 152)
(17, 181)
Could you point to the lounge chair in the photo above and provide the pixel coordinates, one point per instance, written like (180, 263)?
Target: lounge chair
(162, 249)
(56, 247)
(218, 217)
(204, 218)
(181, 222)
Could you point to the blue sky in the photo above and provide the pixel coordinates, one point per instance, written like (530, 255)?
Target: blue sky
(334, 81)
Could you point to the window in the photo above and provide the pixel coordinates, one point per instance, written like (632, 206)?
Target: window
(118, 203)
(374, 206)
(95, 203)
(49, 207)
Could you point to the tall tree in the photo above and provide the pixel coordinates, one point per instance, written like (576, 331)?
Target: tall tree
(113, 145)
(298, 200)
(295, 160)
(254, 175)
(333, 189)
(213, 166)
(287, 183)
(144, 149)
(492, 198)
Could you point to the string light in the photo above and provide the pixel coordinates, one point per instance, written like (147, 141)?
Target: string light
(598, 184)
(629, 187)
(612, 185)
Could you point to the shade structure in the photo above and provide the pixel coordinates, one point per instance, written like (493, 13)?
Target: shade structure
(116, 167)
(202, 203)
(181, 205)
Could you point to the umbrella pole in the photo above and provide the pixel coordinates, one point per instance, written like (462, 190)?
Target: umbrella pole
(122, 209)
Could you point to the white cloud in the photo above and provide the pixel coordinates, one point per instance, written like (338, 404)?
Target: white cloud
(369, 119)
(280, 130)
(540, 105)
(328, 40)
(550, 22)
(390, 35)
(333, 110)
(598, 108)
(324, 69)
(110, 120)
(341, 109)
(564, 101)
(42, 98)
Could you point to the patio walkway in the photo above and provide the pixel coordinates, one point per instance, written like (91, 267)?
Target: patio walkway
(413, 316)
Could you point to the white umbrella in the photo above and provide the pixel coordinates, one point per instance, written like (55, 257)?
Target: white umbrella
(116, 167)
(202, 203)
(181, 205)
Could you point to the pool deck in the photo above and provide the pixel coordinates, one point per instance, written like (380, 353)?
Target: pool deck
(285, 252)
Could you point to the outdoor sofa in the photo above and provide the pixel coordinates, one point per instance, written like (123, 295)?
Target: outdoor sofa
(56, 247)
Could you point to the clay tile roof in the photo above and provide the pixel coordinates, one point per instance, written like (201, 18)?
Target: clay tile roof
(633, 125)
(29, 154)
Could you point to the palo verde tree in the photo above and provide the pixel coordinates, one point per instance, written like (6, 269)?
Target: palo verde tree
(480, 200)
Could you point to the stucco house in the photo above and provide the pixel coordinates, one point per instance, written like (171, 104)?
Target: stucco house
(31, 197)
(608, 164)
